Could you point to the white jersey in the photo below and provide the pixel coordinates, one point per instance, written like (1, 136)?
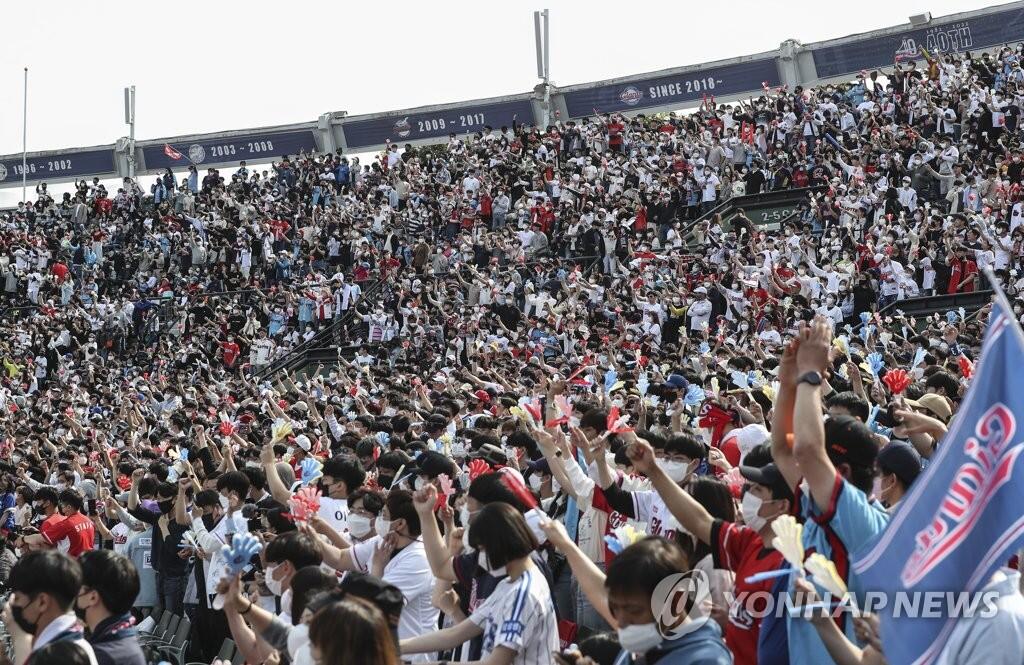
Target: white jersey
(520, 616)
(650, 508)
(408, 570)
(335, 513)
(217, 568)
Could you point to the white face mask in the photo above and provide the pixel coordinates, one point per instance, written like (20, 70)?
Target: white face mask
(639, 638)
(750, 507)
(276, 587)
(382, 527)
(359, 525)
(673, 469)
(224, 503)
(536, 482)
(495, 571)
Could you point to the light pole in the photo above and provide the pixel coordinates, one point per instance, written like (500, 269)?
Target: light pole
(129, 119)
(543, 62)
(24, 140)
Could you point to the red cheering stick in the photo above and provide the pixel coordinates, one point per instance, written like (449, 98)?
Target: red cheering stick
(477, 468)
(965, 365)
(533, 409)
(616, 423)
(898, 380)
(565, 408)
(446, 490)
(512, 481)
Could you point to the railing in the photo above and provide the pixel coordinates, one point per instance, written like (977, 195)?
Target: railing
(325, 345)
(751, 203)
(328, 337)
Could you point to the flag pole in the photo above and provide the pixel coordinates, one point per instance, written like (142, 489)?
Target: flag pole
(1004, 302)
(24, 139)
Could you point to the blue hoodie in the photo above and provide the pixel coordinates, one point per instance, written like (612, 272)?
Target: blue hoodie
(703, 646)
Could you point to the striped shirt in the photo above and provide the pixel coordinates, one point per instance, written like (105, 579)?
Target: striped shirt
(520, 615)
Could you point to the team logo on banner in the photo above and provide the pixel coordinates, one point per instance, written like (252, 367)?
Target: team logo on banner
(402, 127)
(631, 96)
(3, 173)
(196, 153)
(907, 50)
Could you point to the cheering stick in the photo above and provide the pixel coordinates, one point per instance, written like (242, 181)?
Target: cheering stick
(788, 541)
(237, 556)
(311, 470)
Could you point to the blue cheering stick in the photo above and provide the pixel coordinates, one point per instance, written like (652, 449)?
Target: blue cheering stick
(875, 363)
(704, 348)
(183, 454)
(864, 318)
(694, 395)
(769, 575)
(311, 470)
(610, 377)
(237, 556)
(918, 357)
(866, 332)
(951, 316)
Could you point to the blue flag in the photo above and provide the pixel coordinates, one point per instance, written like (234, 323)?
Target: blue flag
(962, 519)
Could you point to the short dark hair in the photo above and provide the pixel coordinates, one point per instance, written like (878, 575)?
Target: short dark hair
(373, 501)
(234, 481)
(296, 547)
(346, 469)
(71, 497)
(64, 652)
(503, 532)
(639, 568)
(596, 419)
(393, 460)
(47, 571)
(113, 576)
(854, 404)
(46, 493)
(687, 444)
(488, 488)
(945, 380)
(257, 478)
(400, 506)
(207, 498)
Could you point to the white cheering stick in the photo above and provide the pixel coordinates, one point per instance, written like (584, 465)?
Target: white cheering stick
(824, 572)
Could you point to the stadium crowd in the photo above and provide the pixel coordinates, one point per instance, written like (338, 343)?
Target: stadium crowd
(565, 382)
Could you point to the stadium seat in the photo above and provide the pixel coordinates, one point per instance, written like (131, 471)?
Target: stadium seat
(175, 648)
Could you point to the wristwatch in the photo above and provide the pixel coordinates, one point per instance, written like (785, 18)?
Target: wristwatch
(812, 377)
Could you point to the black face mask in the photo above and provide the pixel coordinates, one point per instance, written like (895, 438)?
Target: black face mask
(385, 481)
(166, 506)
(18, 614)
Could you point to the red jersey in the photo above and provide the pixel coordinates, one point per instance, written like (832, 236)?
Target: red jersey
(230, 353)
(77, 528)
(740, 549)
(615, 130)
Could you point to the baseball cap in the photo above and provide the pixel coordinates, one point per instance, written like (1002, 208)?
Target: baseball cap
(849, 440)
(901, 460)
(491, 454)
(935, 404)
(483, 396)
(677, 381)
(769, 476)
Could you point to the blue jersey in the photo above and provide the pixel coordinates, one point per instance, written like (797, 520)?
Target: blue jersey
(848, 523)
